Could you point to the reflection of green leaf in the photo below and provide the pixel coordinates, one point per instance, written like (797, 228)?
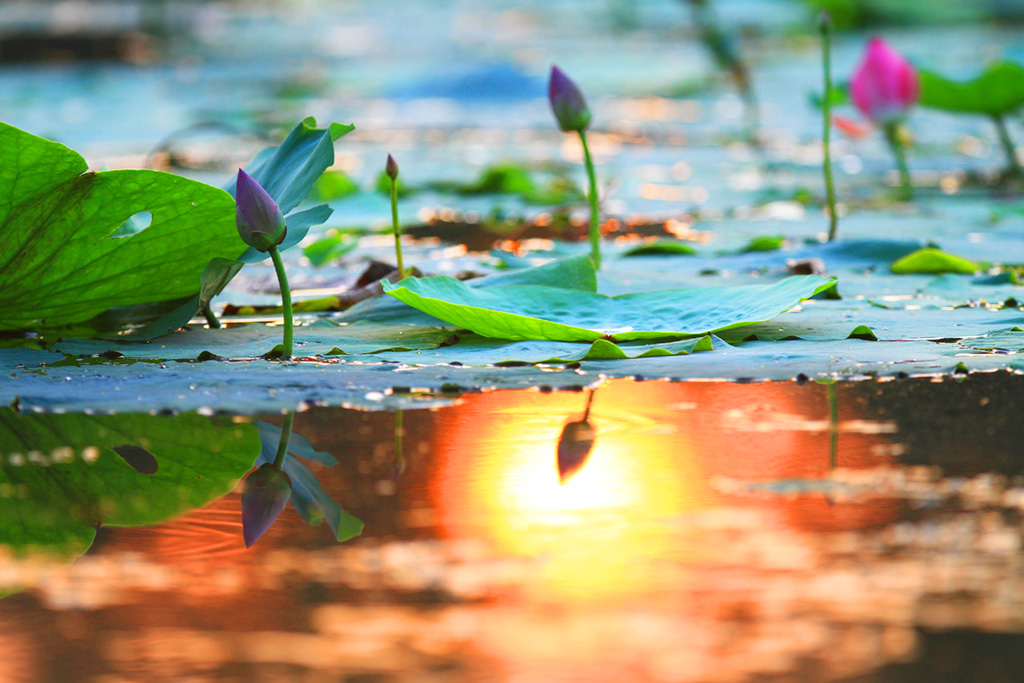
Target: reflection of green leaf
(533, 312)
(308, 497)
(933, 261)
(59, 260)
(60, 475)
(998, 90)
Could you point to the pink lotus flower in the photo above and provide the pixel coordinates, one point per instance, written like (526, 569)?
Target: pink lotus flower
(885, 85)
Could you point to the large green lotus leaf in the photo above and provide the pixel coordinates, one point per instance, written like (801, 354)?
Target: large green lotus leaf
(574, 272)
(59, 253)
(322, 337)
(998, 90)
(63, 475)
(526, 312)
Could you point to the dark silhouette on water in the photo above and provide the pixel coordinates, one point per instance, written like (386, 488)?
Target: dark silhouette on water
(576, 443)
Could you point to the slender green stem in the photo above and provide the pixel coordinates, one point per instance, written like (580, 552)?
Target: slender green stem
(833, 413)
(595, 211)
(282, 445)
(286, 301)
(1014, 167)
(396, 227)
(892, 135)
(826, 138)
(211, 318)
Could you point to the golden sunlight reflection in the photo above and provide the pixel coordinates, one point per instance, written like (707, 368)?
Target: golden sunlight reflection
(498, 479)
(669, 465)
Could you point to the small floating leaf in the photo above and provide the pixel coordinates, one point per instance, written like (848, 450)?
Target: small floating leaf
(933, 261)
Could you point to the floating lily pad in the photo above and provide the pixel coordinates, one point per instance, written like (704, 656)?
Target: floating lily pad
(322, 337)
(997, 90)
(661, 248)
(533, 312)
(933, 261)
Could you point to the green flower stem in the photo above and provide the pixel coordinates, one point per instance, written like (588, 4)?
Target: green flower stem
(399, 433)
(826, 138)
(282, 445)
(892, 135)
(211, 318)
(595, 211)
(396, 227)
(1014, 167)
(286, 301)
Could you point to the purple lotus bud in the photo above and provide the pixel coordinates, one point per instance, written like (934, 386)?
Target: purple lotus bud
(264, 495)
(259, 220)
(391, 168)
(824, 21)
(567, 102)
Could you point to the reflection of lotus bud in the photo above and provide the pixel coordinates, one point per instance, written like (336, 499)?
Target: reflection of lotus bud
(885, 85)
(567, 102)
(259, 220)
(264, 495)
(824, 22)
(391, 168)
(574, 447)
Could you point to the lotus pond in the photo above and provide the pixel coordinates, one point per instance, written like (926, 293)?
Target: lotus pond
(694, 358)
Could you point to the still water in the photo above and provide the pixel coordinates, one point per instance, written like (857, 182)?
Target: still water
(672, 532)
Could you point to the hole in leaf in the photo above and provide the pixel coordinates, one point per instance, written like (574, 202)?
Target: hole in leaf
(133, 226)
(141, 460)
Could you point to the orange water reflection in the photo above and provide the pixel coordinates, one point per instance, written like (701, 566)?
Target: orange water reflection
(647, 503)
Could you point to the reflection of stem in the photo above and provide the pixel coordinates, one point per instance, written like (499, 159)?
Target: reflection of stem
(211, 319)
(833, 409)
(833, 219)
(397, 229)
(1014, 167)
(590, 401)
(399, 454)
(282, 445)
(595, 212)
(892, 135)
(286, 300)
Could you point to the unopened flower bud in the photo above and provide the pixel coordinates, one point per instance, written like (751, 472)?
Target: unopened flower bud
(567, 102)
(259, 220)
(824, 22)
(391, 168)
(264, 494)
(886, 85)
